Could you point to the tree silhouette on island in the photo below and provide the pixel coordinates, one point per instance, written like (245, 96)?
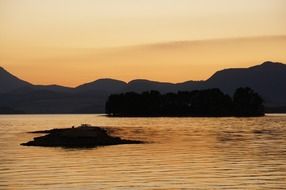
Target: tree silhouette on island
(211, 102)
(18, 96)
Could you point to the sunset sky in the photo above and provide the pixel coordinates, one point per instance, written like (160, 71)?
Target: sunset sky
(70, 42)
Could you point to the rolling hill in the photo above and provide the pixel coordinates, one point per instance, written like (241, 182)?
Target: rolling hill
(9, 82)
(268, 79)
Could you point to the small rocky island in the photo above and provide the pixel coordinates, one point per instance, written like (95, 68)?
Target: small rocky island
(84, 136)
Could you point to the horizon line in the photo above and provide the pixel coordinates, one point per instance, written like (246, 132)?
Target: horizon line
(127, 82)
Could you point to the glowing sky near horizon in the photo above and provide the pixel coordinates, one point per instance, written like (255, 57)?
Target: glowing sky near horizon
(90, 39)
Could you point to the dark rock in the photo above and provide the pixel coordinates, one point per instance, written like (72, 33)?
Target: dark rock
(77, 137)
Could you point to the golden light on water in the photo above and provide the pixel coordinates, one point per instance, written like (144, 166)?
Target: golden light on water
(185, 153)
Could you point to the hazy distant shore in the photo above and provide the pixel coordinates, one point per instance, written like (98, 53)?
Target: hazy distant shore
(18, 96)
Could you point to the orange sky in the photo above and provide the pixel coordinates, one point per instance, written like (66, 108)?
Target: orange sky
(69, 42)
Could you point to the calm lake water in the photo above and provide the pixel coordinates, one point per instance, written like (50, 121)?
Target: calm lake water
(183, 153)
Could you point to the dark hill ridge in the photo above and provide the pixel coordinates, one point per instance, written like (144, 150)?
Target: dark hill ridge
(56, 88)
(268, 79)
(141, 85)
(108, 85)
(10, 82)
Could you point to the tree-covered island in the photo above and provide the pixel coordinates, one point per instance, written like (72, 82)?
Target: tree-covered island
(198, 103)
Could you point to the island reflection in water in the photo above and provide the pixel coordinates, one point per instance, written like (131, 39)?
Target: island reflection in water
(191, 153)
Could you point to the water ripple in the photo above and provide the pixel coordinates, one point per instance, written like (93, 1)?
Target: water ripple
(183, 153)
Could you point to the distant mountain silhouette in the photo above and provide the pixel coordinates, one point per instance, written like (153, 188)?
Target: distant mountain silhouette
(104, 85)
(268, 79)
(9, 82)
(56, 88)
(141, 85)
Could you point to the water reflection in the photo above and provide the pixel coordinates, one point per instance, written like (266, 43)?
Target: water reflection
(190, 153)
